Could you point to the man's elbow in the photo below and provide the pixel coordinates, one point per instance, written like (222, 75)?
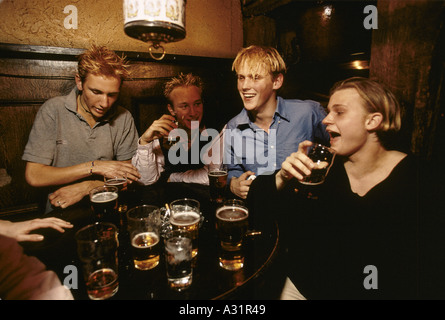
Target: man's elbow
(31, 177)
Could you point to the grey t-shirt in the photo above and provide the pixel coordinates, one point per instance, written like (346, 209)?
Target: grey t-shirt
(60, 137)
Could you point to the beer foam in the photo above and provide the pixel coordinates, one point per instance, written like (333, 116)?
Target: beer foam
(217, 173)
(230, 213)
(104, 197)
(185, 218)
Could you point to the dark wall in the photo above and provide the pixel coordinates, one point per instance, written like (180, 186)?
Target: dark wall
(29, 75)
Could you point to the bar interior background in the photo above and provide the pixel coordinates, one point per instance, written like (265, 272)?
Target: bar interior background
(321, 41)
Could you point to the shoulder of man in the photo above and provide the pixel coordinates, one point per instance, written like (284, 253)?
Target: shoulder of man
(233, 123)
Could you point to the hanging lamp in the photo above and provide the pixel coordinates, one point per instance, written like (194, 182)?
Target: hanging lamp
(155, 22)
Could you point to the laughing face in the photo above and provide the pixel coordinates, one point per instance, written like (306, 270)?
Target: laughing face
(187, 105)
(99, 93)
(347, 122)
(257, 88)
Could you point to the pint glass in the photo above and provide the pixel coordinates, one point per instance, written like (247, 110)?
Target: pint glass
(185, 214)
(97, 247)
(104, 204)
(231, 225)
(144, 230)
(217, 182)
(120, 182)
(178, 259)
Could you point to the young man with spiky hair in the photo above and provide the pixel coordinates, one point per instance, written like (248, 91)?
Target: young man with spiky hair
(154, 157)
(77, 138)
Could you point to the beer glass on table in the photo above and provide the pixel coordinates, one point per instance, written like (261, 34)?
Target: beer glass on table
(144, 223)
(217, 182)
(97, 247)
(185, 214)
(119, 181)
(231, 225)
(178, 259)
(103, 202)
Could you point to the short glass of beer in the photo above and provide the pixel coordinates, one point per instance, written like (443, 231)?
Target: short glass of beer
(97, 246)
(217, 182)
(104, 204)
(144, 223)
(231, 225)
(323, 157)
(185, 214)
(118, 180)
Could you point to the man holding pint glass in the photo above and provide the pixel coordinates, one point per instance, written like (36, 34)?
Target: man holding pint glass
(79, 137)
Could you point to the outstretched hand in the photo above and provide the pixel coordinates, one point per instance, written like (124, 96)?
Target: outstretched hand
(21, 230)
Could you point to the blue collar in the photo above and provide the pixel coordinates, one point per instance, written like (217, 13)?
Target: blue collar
(244, 120)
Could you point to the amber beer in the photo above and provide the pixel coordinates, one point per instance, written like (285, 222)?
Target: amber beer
(97, 248)
(146, 250)
(121, 184)
(185, 215)
(144, 230)
(231, 224)
(104, 204)
(102, 284)
(217, 185)
(188, 221)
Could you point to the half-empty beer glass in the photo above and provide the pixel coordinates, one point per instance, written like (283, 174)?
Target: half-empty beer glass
(323, 157)
(97, 247)
(144, 225)
(178, 259)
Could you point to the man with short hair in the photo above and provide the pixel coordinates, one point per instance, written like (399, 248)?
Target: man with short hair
(182, 162)
(269, 128)
(76, 139)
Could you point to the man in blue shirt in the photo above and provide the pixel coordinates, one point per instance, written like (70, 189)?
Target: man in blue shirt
(269, 128)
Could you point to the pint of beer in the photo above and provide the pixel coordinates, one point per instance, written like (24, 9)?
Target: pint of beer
(231, 224)
(97, 247)
(185, 214)
(217, 182)
(104, 204)
(119, 181)
(144, 229)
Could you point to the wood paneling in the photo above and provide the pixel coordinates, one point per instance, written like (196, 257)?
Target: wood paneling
(30, 75)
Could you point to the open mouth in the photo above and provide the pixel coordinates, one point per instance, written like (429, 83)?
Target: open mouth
(249, 95)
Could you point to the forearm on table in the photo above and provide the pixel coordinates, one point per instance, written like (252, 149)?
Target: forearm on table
(39, 175)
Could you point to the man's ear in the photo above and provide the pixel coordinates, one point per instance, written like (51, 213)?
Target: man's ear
(278, 81)
(170, 109)
(78, 82)
(373, 121)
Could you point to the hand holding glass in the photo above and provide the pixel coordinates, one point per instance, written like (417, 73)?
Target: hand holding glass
(323, 157)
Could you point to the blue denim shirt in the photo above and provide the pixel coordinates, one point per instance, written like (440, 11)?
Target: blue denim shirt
(247, 147)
